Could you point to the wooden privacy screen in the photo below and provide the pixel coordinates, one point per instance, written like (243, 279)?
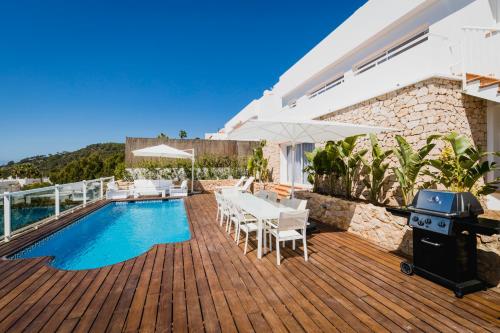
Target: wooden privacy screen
(202, 147)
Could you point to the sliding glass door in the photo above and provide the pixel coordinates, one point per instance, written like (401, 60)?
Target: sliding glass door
(299, 163)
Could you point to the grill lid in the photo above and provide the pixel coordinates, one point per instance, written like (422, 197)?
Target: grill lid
(461, 204)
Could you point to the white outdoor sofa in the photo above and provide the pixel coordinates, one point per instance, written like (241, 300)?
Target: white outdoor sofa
(143, 187)
(113, 192)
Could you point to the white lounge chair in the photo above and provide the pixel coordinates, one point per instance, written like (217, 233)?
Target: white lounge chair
(150, 187)
(113, 192)
(238, 184)
(247, 185)
(286, 229)
(262, 194)
(179, 191)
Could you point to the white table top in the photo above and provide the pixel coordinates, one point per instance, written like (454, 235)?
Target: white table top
(258, 207)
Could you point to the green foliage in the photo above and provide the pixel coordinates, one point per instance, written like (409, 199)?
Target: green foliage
(36, 185)
(162, 136)
(206, 167)
(461, 166)
(349, 161)
(339, 162)
(89, 167)
(182, 134)
(25, 170)
(257, 164)
(52, 163)
(410, 165)
(376, 170)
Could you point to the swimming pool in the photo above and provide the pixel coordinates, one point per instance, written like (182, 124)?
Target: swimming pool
(114, 233)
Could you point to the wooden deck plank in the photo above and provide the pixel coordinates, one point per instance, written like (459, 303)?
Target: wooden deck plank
(150, 310)
(207, 284)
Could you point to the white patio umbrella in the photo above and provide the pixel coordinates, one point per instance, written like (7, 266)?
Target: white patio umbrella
(298, 131)
(168, 152)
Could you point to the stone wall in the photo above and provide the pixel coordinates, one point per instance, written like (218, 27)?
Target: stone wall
(272, 152)
(389, 231)
(434, 106)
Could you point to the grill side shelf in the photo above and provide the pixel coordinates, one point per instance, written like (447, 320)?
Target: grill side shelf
(483, 226)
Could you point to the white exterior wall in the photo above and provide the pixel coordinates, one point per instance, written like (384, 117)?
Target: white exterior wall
(370, 29)
(373, 28)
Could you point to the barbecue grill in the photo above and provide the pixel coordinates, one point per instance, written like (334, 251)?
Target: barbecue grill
(445, 225)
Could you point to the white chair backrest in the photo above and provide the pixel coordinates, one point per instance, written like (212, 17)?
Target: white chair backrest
(237, 212)
(164, 183)
(293, 220)
(112, 186)
(295, 203)
(144, 183)
(272, 196)
(240, 181)
(247, 184)
(184, 185)
(262, 194)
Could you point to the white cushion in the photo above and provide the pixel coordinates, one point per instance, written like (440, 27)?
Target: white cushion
(249, 227)
(287, 234)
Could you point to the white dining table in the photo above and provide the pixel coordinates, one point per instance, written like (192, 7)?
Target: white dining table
(260, 208)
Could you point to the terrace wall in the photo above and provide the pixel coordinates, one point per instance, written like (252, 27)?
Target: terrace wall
(202, 147)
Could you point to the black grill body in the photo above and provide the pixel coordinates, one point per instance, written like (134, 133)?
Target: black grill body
(445, 225)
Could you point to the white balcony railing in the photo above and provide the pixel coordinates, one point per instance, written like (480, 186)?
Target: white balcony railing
(481, 51)
(23, 210)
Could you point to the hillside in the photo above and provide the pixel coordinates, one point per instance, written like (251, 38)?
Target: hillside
(100, 159)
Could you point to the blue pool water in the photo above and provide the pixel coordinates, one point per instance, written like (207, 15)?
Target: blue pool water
(114, 233)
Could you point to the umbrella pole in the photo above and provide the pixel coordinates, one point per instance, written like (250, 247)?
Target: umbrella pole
(192, 173)
(292, 195)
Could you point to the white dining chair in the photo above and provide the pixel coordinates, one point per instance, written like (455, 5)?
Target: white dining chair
(218, 200)
(244, 222)
(287, 228)
(272, 196)
(294, 203)
(261, 194)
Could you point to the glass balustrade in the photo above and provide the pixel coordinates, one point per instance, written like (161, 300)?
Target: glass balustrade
(23, 209)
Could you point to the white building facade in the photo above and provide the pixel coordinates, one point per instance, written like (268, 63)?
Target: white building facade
(422, 66)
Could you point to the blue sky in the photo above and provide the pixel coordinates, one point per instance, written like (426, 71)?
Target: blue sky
(74, 73)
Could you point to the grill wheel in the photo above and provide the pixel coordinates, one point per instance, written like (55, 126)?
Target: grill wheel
(406, 268)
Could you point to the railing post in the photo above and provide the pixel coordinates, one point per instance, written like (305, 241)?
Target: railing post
(84, 189)
(102, 188)
(6, 216)
(463, 50)
(57, 201)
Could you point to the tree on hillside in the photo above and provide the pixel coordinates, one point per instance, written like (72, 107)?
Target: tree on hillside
(182, 134)
(162, 136)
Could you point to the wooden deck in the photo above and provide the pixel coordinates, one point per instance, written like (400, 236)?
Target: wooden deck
(208, 284)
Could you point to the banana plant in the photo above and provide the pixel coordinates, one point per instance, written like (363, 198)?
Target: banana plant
(322, 162)
(376, 170)
(411, 163)
(461, 166)
(257, 164)
(348, 161)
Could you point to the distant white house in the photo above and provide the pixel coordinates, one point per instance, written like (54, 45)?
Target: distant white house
(423, 66)
(15, 184)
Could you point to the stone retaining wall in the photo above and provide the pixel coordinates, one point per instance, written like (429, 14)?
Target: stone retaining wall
(389, 231)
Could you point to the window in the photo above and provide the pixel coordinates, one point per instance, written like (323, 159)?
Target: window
(392, 52)
(327, 86)
(299, 163)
